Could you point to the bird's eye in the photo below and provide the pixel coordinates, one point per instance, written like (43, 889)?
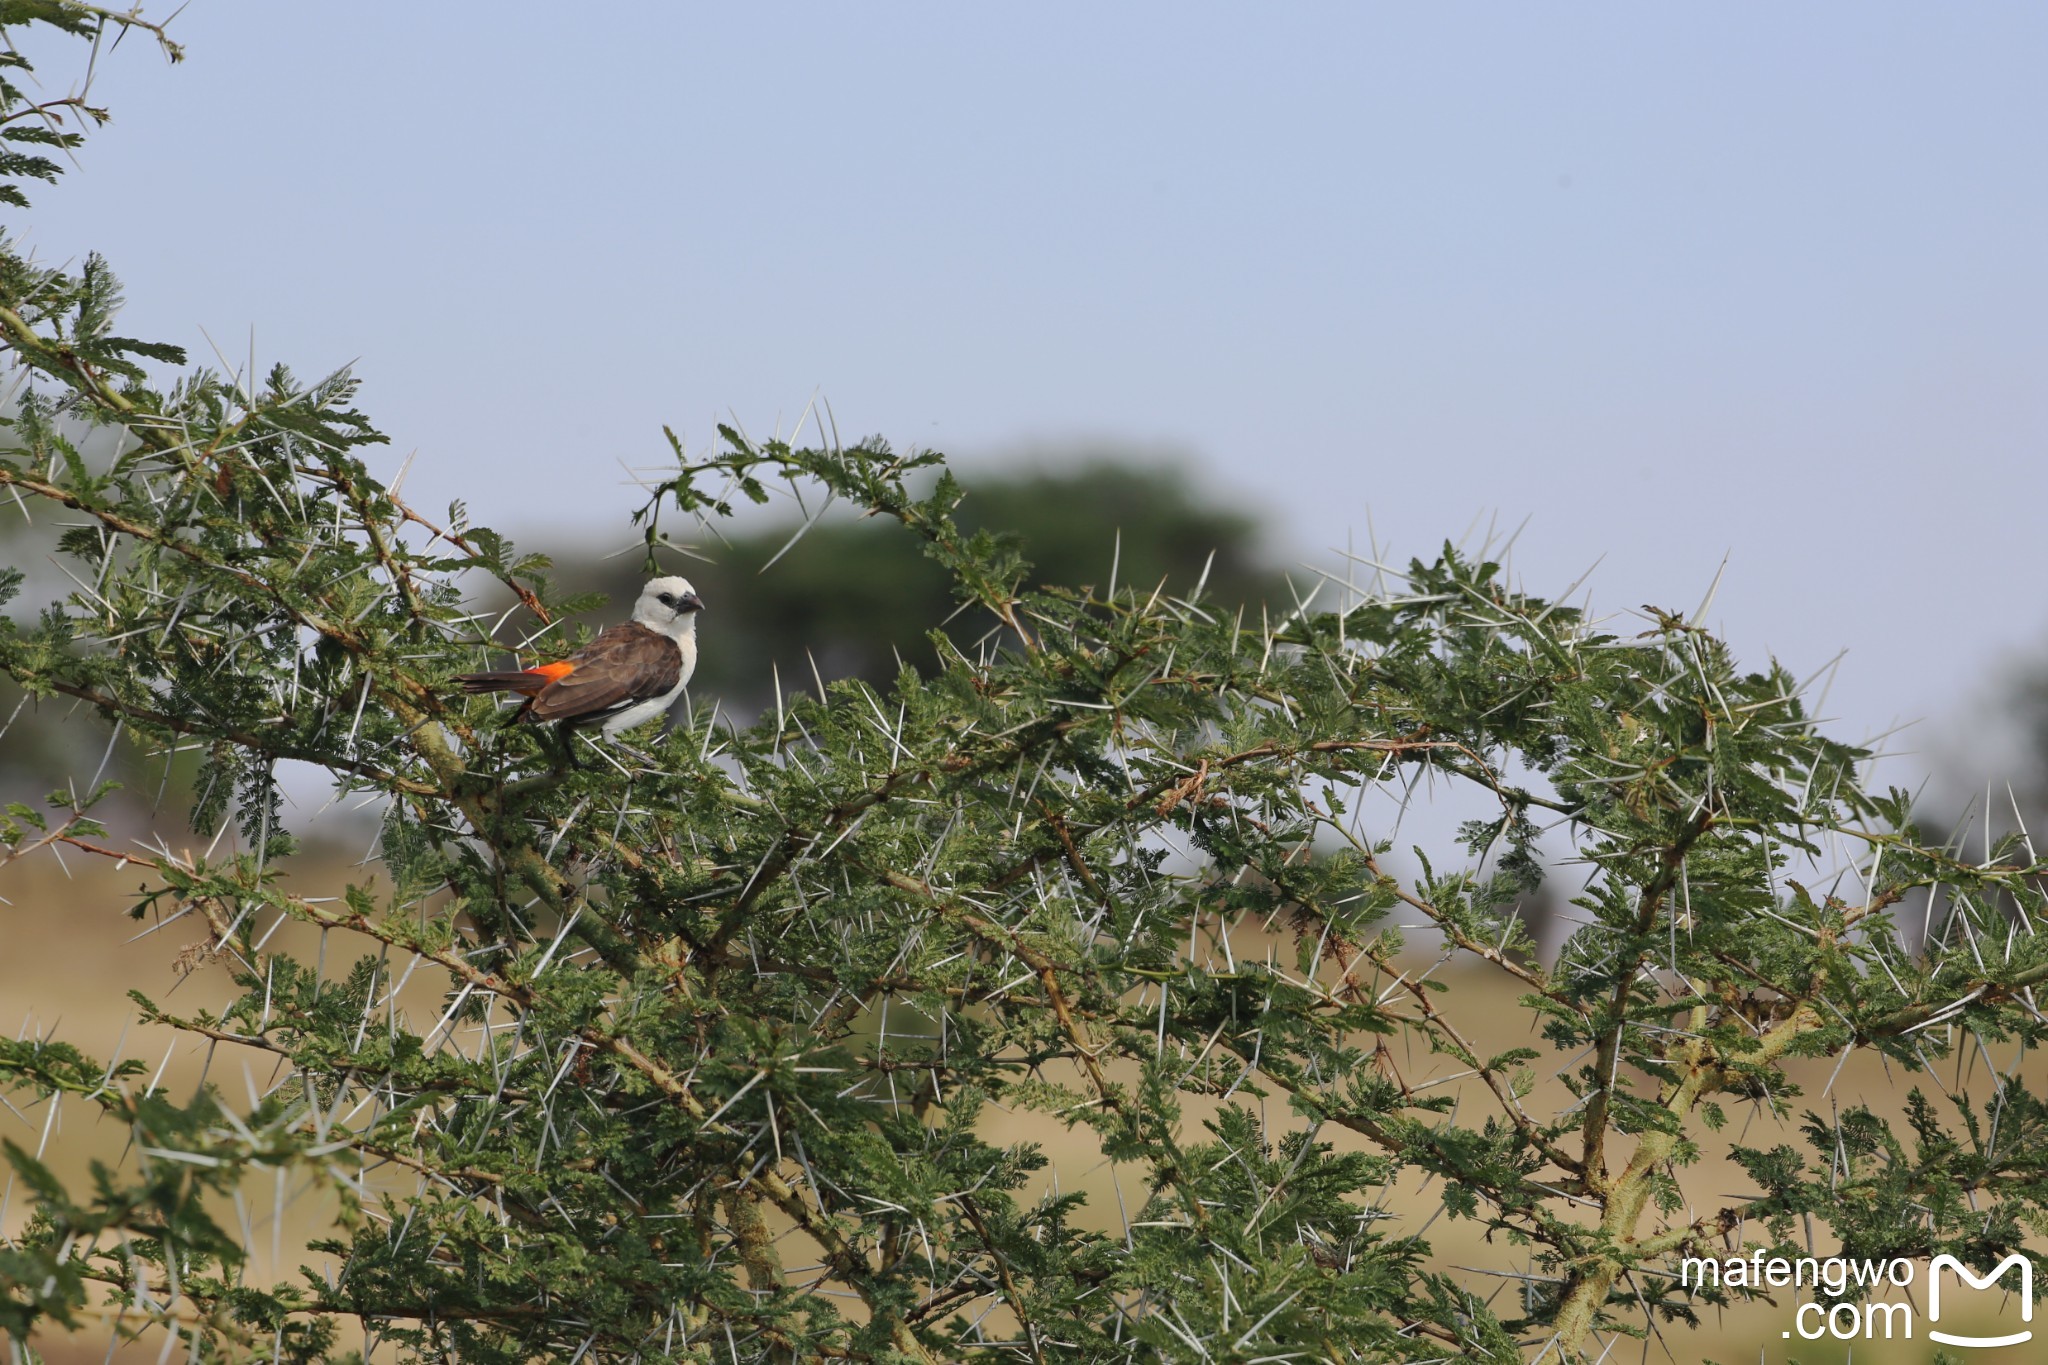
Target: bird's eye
(668, 599)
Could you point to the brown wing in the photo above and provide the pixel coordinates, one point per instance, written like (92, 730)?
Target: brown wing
(627, 663)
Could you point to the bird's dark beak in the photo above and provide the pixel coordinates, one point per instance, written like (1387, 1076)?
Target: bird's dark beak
(689, 602)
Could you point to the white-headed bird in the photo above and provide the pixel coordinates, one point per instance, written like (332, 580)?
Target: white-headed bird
(628, 675)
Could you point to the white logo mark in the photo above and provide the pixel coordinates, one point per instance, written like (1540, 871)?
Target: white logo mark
(1984, 1282)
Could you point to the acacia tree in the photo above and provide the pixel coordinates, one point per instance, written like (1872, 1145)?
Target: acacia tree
(704, 1056)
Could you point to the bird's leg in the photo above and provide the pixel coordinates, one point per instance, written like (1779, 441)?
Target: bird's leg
(566, 733)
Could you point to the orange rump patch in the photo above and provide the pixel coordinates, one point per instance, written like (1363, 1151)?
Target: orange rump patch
(554, 672)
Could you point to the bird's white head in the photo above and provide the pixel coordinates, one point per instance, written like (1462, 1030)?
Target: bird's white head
(670, 606)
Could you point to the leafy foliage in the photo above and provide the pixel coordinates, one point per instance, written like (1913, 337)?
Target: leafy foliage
(33, 133)
(704, 1053)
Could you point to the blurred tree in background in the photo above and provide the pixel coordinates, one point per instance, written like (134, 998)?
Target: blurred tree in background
(2023, 699)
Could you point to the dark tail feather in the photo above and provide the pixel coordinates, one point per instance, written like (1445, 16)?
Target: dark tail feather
(526, 683)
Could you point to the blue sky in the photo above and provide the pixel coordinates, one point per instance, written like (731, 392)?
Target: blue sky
(1673, 283)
